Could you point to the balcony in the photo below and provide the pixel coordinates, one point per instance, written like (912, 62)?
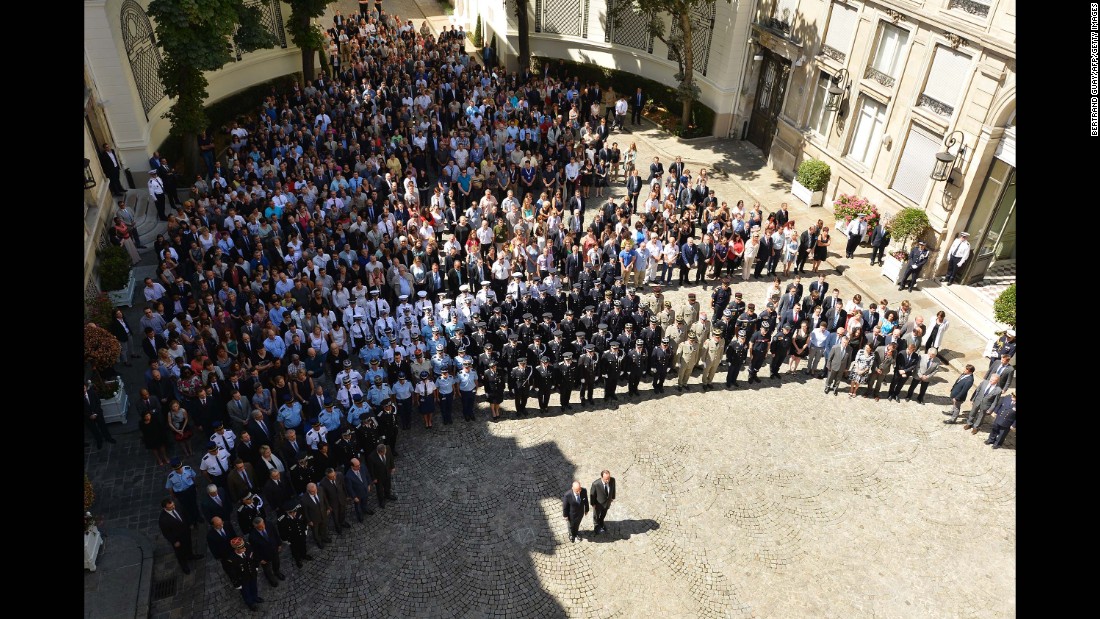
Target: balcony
(938, 107)
(834, 53)
(880, 77)
(973, 7)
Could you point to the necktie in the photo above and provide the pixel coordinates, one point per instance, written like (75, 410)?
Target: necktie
(246, 479)
(315, 500)
(217, 499)
(263, 427)
(221, 468)
(606, 489)
(88, 399)
(264, 533)
(177, 516)
(222, 531)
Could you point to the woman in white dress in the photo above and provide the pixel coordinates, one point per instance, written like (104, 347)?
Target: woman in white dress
(751, 249)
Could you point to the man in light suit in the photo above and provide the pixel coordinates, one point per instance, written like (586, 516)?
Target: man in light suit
(574, 507)
(239, 410)
(883, 367)
(242, 480)
(957, 255)
(958, 393)
(836, 363)
(602, 494)
(925, 369)
(1003, 371)
(982, 401)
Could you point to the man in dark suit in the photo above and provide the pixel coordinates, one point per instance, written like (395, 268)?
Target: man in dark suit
(1004, 421)
(904, 366)
(637, 101)
(821, 287)
(316, 510)
(277, 491)
(836, 317)
(261, 430)
(242, 480)
(93, 418)
(380, 465)
(880, 239)
(217, 538)
(806, 244)
(266, 544)
(602, 494)
(112, 167)
(216, 503)
(918, 257)
(983, 401)
(959, 391)
(177, 530)
(574, 507)
(151, 343)
(1004, 371)
(333, 486)
(357, 486)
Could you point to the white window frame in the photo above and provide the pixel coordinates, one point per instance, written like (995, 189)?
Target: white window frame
(867, 138)
(823, 123)
(891, 67)
(837, 8)
(932, 85)
(924, 159)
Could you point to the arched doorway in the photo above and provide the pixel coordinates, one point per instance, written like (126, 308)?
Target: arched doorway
(992, 224)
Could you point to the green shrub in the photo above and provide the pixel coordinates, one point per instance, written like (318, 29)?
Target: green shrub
(909, 223)
(476, 38)
(114, 267)
(1004, 308)
(813, 174)
(623, 82)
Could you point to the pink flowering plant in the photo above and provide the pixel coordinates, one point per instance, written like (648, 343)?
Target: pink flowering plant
(856, 207)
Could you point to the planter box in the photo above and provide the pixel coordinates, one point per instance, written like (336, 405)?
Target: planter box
(124, 296)
(811, 198)
(892, 268)
(93, 542)
(115, 409)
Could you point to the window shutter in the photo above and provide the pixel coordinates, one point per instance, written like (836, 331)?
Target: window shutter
(916, 163)
(947, 76)
(842, 27)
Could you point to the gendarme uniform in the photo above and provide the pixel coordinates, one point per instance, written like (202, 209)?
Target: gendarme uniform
(736, 353)
(316, 435)
(387, 426)
(292, 528)
(224, 437)
(215, 463)
(248, 510)
(301, 473)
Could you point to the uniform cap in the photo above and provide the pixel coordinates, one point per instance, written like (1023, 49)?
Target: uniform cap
(292, 505)
(581, 334)
(1011, 333)
(211, 445)
(328, 400)
(615, 343)
(248, 496)
(357, 397)
(315, 422)
(603, 326)
(639, 343)
(567, 355)
(237, 542)
(691, 336)
(176, 463)
(737, 294)
(544, 359)
(216, 425)
(665, 340)
(347, 363)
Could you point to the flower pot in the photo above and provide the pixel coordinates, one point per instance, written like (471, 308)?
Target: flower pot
(892, 268)
(115, 408)
(811, 198)
(93, 542)
(124, 296)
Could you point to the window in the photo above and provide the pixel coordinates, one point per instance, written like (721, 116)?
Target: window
(869, 125)
(888, 58)
(945, 81)
(916, 163)
(821, 119)
(785, 10)
(842, 27)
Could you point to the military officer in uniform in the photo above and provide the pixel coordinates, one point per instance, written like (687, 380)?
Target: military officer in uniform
(589, 373)
(545, 381)
(252, 505)
(711, 356)
(520, 382)
(494, 387)
(720, 298)
(301, 473)
(611, 366)
(241, 566)
(736, 353)
(181, 485)
(366, 435)
(292, 528)
(687, 356)
(660, 360)
(387, 426)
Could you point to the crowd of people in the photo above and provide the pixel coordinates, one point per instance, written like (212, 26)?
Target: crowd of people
(413, 233)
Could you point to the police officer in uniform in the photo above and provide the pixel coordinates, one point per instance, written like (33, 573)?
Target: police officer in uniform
(720, 298)
(568, 376)
(545, 381)
(589, 373)
(215, 463)
(660, 360)
(611, 366)
(758, 351)
(181, 485)
(494, 387)
(780, 346)
(736, 353)
(637, 361)
(292, 528)
(520, 382)
(387, 426)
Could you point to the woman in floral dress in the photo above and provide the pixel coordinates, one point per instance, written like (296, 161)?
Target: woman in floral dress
(860, 369)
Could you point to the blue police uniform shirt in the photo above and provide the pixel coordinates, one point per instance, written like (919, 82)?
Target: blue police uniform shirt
(467, 381)
(354, 411)
(180, 481)
(330, 418)
(441, 362)
(370, 352)
(403, 390)
(379, 394)
(290, 415)
(445, 384)
(370, 374)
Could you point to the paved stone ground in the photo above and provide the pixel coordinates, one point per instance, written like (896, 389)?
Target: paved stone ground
(764, 502)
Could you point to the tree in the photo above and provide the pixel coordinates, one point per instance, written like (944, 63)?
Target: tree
(304, 33)
(523, 27)
(679, 41)
(1004, 308)
(195, 36)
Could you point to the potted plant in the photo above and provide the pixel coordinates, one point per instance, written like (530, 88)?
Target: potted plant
(116, 274)
(477, 38)
(909, 223)
(93, 539)
(1004, 308)
(101, 350)
(810, 182)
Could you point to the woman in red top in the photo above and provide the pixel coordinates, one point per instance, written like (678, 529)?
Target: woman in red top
(123, 232)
